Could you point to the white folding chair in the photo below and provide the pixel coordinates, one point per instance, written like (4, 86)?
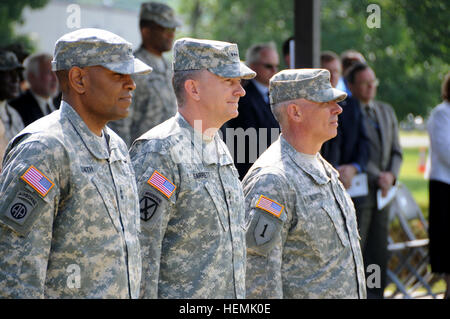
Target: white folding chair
(410, 256)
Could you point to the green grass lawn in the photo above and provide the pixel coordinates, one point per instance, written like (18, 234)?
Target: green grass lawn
(413, 179)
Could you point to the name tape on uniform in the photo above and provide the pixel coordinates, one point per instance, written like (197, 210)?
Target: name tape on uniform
(161, 183)
(37, 180)
(269, 205)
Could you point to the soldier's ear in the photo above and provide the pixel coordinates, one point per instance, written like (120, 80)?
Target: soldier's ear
(192, 89)
(77, 79)
(146, 32)
(294, 112)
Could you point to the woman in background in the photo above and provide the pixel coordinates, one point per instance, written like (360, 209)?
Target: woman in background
(438, 127)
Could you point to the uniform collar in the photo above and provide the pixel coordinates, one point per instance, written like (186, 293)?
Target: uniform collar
(309, 169)
(211, 152)
(87, 136)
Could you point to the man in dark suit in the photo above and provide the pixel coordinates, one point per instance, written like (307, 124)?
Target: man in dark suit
(382, 169)
(348, 152)
(255, 128)
(39, 100)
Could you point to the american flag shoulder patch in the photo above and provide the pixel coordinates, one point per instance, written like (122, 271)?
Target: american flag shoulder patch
(161, 183)
(269, 205)
(37, 180)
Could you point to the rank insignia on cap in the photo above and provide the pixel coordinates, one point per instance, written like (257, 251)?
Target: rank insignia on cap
(37, 180)
(161, 183)
(269, 205)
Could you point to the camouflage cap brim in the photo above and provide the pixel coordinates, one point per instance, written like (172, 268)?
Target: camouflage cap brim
(309, 84)
(91, 47)
(175, 23)
(328, 95)
(235, 70)
(133, 66)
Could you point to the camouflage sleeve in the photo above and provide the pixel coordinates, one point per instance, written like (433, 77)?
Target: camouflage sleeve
(29, 193)
(157, 178)
(268, 209)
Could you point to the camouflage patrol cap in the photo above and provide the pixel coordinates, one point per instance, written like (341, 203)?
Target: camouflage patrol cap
(309, 84)
(8, 61)
(89, 47)
(160, 13)
(220, 58)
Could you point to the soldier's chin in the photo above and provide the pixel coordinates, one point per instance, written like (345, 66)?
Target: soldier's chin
(333, 134)
(234, 114)
(122, 114)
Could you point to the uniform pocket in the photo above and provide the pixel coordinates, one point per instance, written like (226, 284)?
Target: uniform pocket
(338, 223)
(219, 203)
(107, 201)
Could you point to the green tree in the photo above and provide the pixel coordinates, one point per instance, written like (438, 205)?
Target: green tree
(409, 52)
(409, 63)
(11, 13)
(241, 21)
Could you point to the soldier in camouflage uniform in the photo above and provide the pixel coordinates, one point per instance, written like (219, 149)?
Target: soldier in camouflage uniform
(302, 237)
(10, 121)
(191, 200)
(154, 99)
(69, 212)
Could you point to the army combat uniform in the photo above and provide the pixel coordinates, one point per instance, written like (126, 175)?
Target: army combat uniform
(69, 211)
(302, 237)
(68, 199)
(191, 200)
(192, 213)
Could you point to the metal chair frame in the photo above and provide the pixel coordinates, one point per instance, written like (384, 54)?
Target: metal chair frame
(405, 209)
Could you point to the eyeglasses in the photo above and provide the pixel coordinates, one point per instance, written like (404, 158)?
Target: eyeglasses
(270, 66)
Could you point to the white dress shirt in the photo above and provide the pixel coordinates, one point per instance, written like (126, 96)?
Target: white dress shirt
(438, 127)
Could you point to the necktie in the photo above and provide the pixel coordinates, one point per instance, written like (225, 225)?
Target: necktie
(49, 110)
(370, 111)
